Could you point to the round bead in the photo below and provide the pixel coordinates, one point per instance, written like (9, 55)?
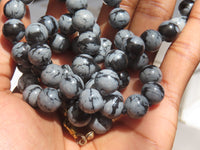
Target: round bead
(124, 79)
(90, 101)
(100, 124)
(65, 24)
(179, 21)
(40, 54)
(59, 43)
(48, 100)
(150, 73)
(136, 106)
(77, 117)
(50, 23)
(52, 75)
(113, 3)
(153, 91)
(30, 94)
(14, 9)
(152, 40)
(36, 33)
(83, 20)
(88, 43)
(84, 66)
(26, 1)
(116, 60)
(13, 30)
(107, 81)
(121, 38)
(75, 5)
(185, 7)
(71, 86)
(119, 18)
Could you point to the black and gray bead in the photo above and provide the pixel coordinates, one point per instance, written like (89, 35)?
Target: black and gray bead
(113, 3)
(36, 33)
(179, 21)
(27, 1)
(119, 18)
(124, 79)
(40, 55)
(116, 60)
(152, 40)
(150, 73)
(90, 101)
(75, 5)
(13, 30)
(48, 100)
(67, 70)
(88, 43)
(50, 23)
(52, 75)
(153, 91)
(185, 7)
(71, 86)
(30, 94)
(83, 20)
(136, 106)
(14, 9)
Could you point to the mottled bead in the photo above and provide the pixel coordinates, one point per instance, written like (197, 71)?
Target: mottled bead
(13, 30)
(116, 60)
(121, 37)
(90, 101)
(52, 75)
(107, 81)
(19, 53)
(65, 24)
(48, 100)
(50, 23)
(71, 86)
(96, 29)
(119, 18)
(40, 54)
(77, 117)
(169, 31)
(36, 33)
(67, 70)
(152, 40)
(153, 91)
(59, 43)
(83, 20)
(113, 106)
(26, 1)
(134, 47)
(14, 9)
(100, 124)
(74, 5)
(124, 79)
(136, 106)
(185, 7)
(113, 3)
(179, 21)
(26, 80)
(150, 73)
(84, 66)
(30, 94)
(88, 43)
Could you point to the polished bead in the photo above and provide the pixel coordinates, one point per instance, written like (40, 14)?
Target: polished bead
(90, 101)
(153, 91)
(83, 20)
(113, 3)
(67, 70)
(136, 106)
(14, 9)
(152, 40)
(40, 54)
(88, 43)
(116, 60)
(50, 23)
(27, 1)
(96, 29)
(30, 94)
(36, 33)
(13, 30)
(71, 86)
(185, 7)
(124, 79)
(75, 5)
(150, 73)
(119, 18)
(48, 100)
(179, 21)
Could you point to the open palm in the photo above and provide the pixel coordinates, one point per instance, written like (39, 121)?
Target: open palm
(24, 128)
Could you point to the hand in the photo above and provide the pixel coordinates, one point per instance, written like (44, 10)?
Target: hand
(24, 128)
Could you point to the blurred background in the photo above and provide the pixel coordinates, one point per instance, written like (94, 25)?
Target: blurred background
(188, 132)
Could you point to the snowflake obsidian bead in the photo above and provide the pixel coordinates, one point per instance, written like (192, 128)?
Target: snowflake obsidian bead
(75, 5)
(185, 7)
(113, 3)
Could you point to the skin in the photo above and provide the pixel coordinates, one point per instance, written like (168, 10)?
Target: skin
(22, 127)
